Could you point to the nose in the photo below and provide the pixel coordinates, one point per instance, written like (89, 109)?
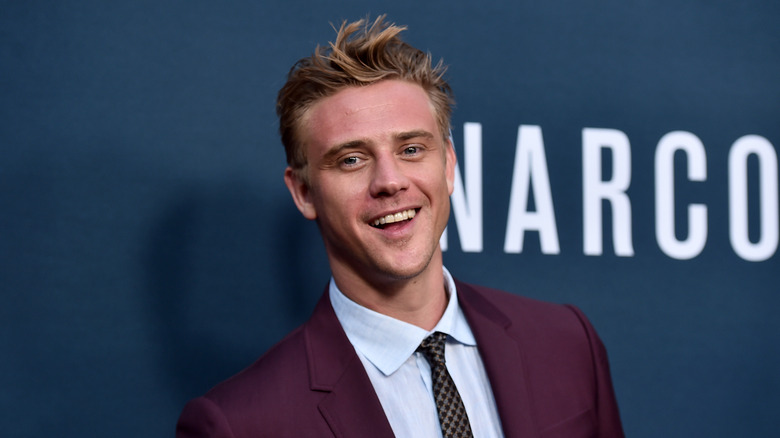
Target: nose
(388, 176)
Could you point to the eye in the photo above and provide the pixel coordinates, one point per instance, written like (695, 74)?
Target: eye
(351, 161)
(411, 150)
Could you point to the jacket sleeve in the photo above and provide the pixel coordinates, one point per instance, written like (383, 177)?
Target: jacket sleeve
(607, 415)
(202, 418)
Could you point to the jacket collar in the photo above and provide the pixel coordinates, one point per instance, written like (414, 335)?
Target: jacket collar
(504, 362)
(351, 407)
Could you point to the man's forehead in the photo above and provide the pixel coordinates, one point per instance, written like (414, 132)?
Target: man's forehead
(389, 108)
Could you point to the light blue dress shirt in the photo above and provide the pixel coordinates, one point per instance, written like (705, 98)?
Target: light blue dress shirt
(402, 377)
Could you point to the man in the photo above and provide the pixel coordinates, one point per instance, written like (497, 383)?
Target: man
(365, 126)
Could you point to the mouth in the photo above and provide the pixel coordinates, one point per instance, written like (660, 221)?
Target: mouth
(401, 216)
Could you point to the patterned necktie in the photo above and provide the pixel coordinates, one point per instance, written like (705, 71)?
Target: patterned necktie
(452, 414)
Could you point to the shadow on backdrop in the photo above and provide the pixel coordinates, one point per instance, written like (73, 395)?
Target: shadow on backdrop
(219, 267)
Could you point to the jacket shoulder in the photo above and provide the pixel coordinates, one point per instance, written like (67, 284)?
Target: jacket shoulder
(521, 310)
(278, 379)
(564, 362)
(271, 395)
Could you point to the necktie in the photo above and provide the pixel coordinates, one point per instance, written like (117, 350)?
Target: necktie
(452, 414)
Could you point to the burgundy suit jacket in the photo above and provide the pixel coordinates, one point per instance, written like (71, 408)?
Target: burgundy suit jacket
(546, 365)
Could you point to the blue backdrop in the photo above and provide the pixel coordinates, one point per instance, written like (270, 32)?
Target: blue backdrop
(149, 247)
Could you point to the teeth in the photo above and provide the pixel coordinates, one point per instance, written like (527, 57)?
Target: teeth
(397, 217)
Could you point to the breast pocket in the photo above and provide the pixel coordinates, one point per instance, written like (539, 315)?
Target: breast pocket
(582, 425)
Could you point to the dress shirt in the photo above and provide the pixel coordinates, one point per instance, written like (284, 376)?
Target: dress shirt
(402, 378)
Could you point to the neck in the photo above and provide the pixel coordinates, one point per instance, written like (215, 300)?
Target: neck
(420, 300)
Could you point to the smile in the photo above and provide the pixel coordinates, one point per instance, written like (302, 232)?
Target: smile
(395, 217)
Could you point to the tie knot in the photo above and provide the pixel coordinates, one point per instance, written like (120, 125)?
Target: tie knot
(433, 347)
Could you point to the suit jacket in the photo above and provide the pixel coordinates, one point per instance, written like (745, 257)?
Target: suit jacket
(546, 365)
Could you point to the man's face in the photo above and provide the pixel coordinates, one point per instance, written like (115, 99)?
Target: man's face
(380, 176)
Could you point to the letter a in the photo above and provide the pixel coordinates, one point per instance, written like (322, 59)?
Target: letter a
(531, 170)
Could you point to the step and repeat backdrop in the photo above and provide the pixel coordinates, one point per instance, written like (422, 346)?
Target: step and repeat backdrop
(620, 156)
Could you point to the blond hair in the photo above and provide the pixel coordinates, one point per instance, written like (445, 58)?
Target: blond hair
(362, 54)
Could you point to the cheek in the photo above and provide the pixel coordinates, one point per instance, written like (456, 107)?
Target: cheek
(338, 200)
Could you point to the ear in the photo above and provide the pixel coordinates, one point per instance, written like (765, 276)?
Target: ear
(300, 192)
(450, 161)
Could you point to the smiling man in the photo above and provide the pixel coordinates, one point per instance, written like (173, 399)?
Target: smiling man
(397, 346)
(378, 178)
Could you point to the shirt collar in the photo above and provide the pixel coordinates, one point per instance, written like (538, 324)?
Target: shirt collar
(388, 342)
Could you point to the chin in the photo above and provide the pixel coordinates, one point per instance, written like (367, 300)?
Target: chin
(405, 271)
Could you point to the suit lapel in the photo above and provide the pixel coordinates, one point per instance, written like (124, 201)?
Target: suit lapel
(503, 361)
(350, 407)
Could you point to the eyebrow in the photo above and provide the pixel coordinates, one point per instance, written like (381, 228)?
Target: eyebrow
(414, 134)
(339, 148)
